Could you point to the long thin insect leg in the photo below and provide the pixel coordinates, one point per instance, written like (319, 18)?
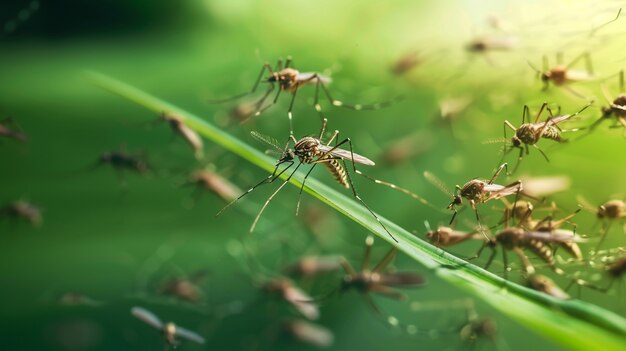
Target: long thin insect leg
(402, 190)
(269, 199)
(289, 111)
(270, 179)
(357, 107)
(542, 153)
(302, 188)
(386, 260)
(605, 230)
(491, 256)
(495, 175)
(543, 106)
(288, 62)
(265, 66)
(506, 264)
(354, 192)
(369, 241)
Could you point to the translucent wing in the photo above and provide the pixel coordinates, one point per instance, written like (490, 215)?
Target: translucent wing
(345, 154)
(310, 333)
(302, 302)
(147, 316)
(538, 186)
(585, 204)
(189, 335)
(495, 141)
(437, 182)
(405, 279)
(557, 235)
(266, 139)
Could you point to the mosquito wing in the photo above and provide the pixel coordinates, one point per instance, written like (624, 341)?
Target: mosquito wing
(557, 235)
(147, 316)
(266, 139)
(498, 191)
(189, 335)
(437, 182)
(302, 302)
(310, 333)
(404, 279)
(347, 155)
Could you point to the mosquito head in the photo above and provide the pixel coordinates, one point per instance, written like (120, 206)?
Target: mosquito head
(169, 330)
(546, 76)
(287, 156)
(457, 200)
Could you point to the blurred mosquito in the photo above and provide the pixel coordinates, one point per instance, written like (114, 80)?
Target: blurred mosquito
(9, 129)
(488, 44)
(530, 133)
(609, 212)
(308, 333)
(178, 126)
(446, 236)
(185, 288)
(290, 293)
(477, 328)
(406, 148)
(24, 210)
(77, 299)
(476, 191)
(406, 63)
(290, 80)
(308, 266)
(121, 161)
(517, 239)
(616, 107)
(562, 75)
(170, 330)
(546, 285)
(209, 180)
(312, 151)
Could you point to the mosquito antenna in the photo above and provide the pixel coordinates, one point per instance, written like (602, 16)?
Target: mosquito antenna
(266, 139)
(437, 182)
(593, 31)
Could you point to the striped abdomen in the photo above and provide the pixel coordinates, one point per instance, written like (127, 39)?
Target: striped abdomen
(338, 171)
(542, 250)
(572, 248)
(552, 133)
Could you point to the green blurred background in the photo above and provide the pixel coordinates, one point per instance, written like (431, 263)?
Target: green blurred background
(115, 239)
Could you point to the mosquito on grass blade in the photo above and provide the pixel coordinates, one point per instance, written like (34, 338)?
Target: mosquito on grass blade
(312, 151)
(290, 80)
(178, 126)
(170, 330)
(476, 191)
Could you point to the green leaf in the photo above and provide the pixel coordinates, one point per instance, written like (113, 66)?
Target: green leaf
(573, 324)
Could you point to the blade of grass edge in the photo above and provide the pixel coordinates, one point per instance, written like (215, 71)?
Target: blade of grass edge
(574, 324)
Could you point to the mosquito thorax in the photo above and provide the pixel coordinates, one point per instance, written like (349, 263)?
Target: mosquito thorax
(472, 190)
(510, 237)
(287, 78)
(307, 148)
(477, 46)
(522, 210)
(557, 75)
(526, 134)
(611, 209)
(618, 106)
(442, 234)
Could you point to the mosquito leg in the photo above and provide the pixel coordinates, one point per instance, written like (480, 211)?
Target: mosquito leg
(391, 254)
(453, 215)
(288, 62)
(357, 107)
(543, 106)
(289, 111)
(354, 192)
(369, 241)
(265, 66)
(347, 267)
(491, 257)
(270, 179)
(495, 175)
(605, 230)
(302, 188)
(402, 190)
(388, 292)
(506, 264)
(258, 216)
(542, 153)
(324, 121)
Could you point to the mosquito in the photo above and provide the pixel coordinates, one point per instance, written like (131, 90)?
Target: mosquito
(487, 44)
(517, 239)
(609, 212)
(170, 330)
(528, 134)
(614, 270)
(77, 299)
(308, 266)
(477, 328)
(312, 151)
(122, 161)
(376, 280)
(184, 288)
(290, 80)
(562, 75)
(308, 333)
(178, 126)
(406, 63)
(546, 285)
(206, 179)
(446, 236)
(22, 209)
(477, 191)
(8, 129)
(290, 293)
(616, 107)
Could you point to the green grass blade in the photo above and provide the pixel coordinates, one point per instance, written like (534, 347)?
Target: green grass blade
(574, 324)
